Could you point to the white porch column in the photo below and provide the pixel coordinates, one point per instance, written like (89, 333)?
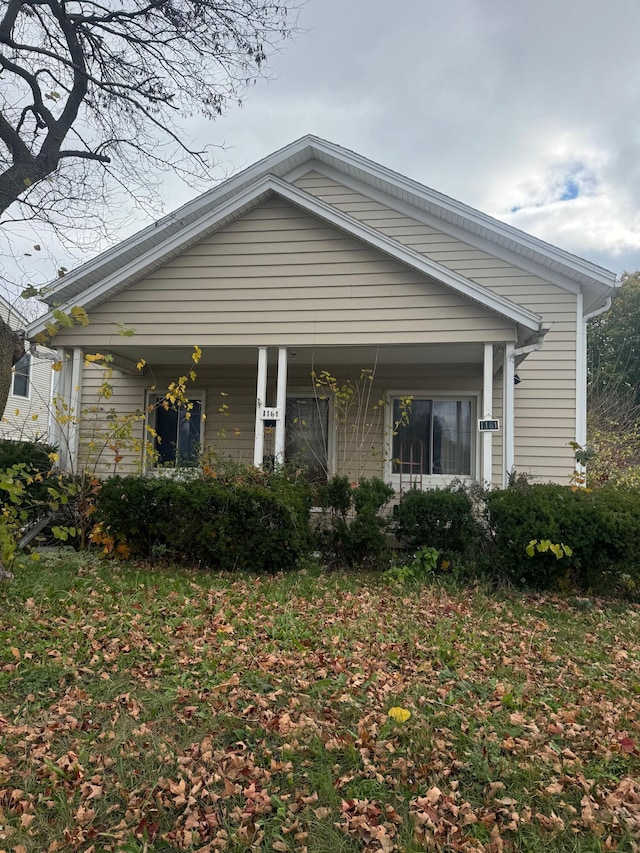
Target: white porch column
(508, 397)
(487, 405)
(261, 393)
(59, 424)
(57, 392)
(281, 404)
(75, 406)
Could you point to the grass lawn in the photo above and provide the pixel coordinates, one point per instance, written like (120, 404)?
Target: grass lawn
(160, 710)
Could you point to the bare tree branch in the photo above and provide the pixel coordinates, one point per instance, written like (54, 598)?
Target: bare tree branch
(92, 95)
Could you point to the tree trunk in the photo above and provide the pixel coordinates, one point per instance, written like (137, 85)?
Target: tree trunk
(11, 350)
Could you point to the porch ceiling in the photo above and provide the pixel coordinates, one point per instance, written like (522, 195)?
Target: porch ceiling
(357, 356)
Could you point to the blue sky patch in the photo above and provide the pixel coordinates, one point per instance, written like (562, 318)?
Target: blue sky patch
(571, 190)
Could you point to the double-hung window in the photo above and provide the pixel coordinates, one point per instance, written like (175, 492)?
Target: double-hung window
(432, 439)
(22, 377)
(177, 431)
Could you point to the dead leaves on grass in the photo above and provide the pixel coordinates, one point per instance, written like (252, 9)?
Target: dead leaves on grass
(404, 703)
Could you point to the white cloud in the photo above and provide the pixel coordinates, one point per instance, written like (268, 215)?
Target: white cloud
(498, 104)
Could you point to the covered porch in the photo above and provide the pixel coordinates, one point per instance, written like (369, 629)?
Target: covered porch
(415, 415)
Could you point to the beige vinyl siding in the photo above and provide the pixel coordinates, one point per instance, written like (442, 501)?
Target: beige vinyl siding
(465, 379)
(232, 434)
(99, 418)
(548, 376)
(367, 459)
(277, 276)
(545, 399)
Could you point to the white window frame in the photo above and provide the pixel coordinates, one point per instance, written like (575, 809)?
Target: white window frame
(431, 481)
(153, 397)
(307, 393)
(26, 396)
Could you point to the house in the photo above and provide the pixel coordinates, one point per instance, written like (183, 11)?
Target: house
(463, 337)
(26, 415)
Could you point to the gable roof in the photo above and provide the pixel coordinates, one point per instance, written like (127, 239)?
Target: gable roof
(105, 275)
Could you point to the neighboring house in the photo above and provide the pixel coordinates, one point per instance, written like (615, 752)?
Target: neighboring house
(26, 415)
(318, 259)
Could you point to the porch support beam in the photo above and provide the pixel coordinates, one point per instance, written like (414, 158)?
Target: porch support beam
(487, 404)
(127, 365)
(61, 415)
(508, 417)
(261, 393)
(75, 406)
(281, 404)
(57, 397)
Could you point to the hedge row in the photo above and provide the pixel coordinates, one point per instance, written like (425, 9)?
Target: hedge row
(259, 525)
(601, 528)
(507, 533)
(263, 524)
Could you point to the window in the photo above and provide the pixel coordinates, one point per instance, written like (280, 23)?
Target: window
(434, 438)
(306, 435)
(21, 376)
(178, 432)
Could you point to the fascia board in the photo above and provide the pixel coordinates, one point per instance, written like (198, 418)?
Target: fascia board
(153, 257)
(316, 207)
(192, 209)
(12, 311)
(458, 209)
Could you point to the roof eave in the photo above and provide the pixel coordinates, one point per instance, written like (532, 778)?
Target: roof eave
(259, 190)
(311, 147)
(545, 251)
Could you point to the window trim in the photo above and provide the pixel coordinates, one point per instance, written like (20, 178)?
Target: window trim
(26, 396)
(430, 481)
(152, 397)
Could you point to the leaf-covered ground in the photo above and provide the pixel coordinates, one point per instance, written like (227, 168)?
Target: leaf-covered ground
(159, 710)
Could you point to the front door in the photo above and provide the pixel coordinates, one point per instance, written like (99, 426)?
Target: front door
(307, 436)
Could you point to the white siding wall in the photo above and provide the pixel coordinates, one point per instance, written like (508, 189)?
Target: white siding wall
(27, 417)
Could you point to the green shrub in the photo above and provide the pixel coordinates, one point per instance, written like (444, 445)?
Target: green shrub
(35, 461)
(34, 454)
(600, 529)
(261, 524)
(336, 496)
(439, 518)
(619, 567)
(355, 531)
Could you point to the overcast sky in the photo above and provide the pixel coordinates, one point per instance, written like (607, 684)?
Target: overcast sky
(528, 110)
